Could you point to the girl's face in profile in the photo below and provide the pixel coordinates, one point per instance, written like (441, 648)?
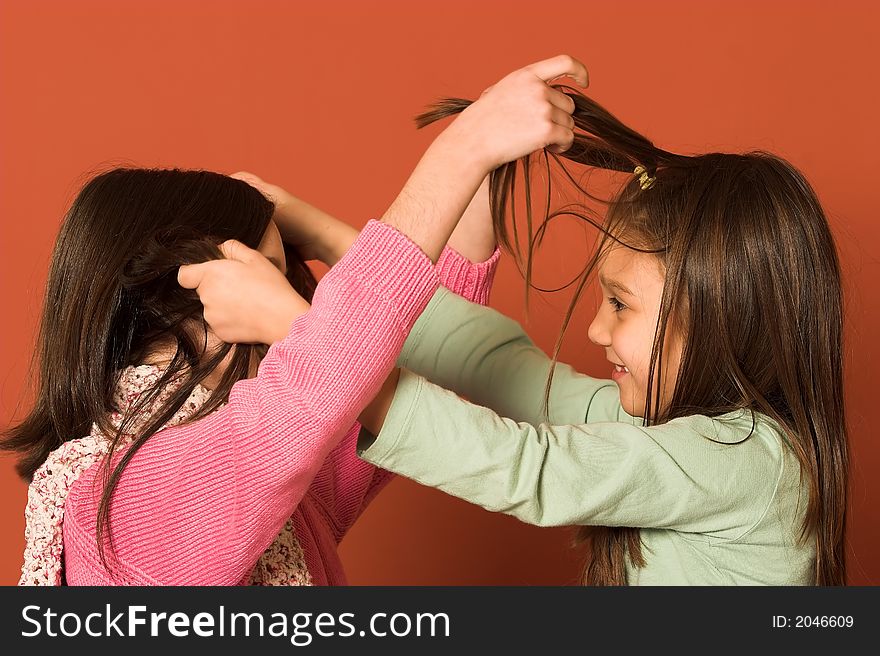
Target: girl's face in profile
(632, 286)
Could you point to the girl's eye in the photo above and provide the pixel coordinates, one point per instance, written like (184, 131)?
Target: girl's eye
(617, 305)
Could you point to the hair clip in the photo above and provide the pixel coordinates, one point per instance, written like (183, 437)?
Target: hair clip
(645, 181)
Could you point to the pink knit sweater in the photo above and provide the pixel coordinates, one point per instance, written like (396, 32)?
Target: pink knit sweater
(199, 503)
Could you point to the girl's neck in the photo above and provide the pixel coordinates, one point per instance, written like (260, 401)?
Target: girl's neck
(162, 353)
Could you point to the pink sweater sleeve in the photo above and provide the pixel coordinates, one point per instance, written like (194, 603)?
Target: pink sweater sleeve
(346, 484)
(199, 503)
(471, 280)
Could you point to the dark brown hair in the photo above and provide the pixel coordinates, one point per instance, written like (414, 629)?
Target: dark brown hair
(112, 296)
(752, 281)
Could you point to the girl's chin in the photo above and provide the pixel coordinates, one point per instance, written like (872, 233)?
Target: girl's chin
(632, 409)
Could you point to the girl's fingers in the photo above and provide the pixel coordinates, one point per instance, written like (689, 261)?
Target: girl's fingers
(250, 178)
(559, 66)
(561, 117)
(245, 175)
(257, 183)
(560, 100)
(233, 249)
(189, 276)
(560, 139)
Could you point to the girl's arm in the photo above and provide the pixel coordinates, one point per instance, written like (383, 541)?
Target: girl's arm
(316, 234)
(466, 265)
(486, 357)
(474, 236)
(345, 484)
(685, 475)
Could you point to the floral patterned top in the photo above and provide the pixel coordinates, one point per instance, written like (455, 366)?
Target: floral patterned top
(283, 563)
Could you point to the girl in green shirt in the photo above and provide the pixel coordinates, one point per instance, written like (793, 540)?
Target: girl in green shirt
(717, 451)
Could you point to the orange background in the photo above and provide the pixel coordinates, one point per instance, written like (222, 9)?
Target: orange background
(319, 97)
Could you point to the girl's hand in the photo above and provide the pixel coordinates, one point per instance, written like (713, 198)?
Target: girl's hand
(521, 114)
(513, 118)
(315, 234)
(246, 298)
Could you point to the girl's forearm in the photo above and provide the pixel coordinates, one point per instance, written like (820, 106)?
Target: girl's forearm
(474, 236)
(331, 237)
(436, 195)
(373, 416)
(336, 241)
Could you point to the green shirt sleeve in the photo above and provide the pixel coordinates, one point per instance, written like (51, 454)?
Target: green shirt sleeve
(486, 357)
(693, 474)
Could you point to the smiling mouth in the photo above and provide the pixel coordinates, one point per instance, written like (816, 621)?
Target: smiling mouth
(619, 367)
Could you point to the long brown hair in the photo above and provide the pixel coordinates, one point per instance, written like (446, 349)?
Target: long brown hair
(752, 280)
(112, 296)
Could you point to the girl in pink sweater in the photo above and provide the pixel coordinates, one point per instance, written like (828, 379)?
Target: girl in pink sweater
(225, 462)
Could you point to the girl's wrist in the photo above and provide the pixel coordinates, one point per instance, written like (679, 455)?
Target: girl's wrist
(319, 235)
(335, 241)
(465, 148)
(289, 309)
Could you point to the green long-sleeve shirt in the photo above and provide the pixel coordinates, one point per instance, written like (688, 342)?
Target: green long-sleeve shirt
(714, 507)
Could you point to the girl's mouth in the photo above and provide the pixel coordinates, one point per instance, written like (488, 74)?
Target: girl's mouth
(619, 372)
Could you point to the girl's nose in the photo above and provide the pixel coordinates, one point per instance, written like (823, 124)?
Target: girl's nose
(598, 332)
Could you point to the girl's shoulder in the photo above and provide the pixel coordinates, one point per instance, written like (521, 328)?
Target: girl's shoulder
(744, 444)
(751, 450)
(733, 427)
